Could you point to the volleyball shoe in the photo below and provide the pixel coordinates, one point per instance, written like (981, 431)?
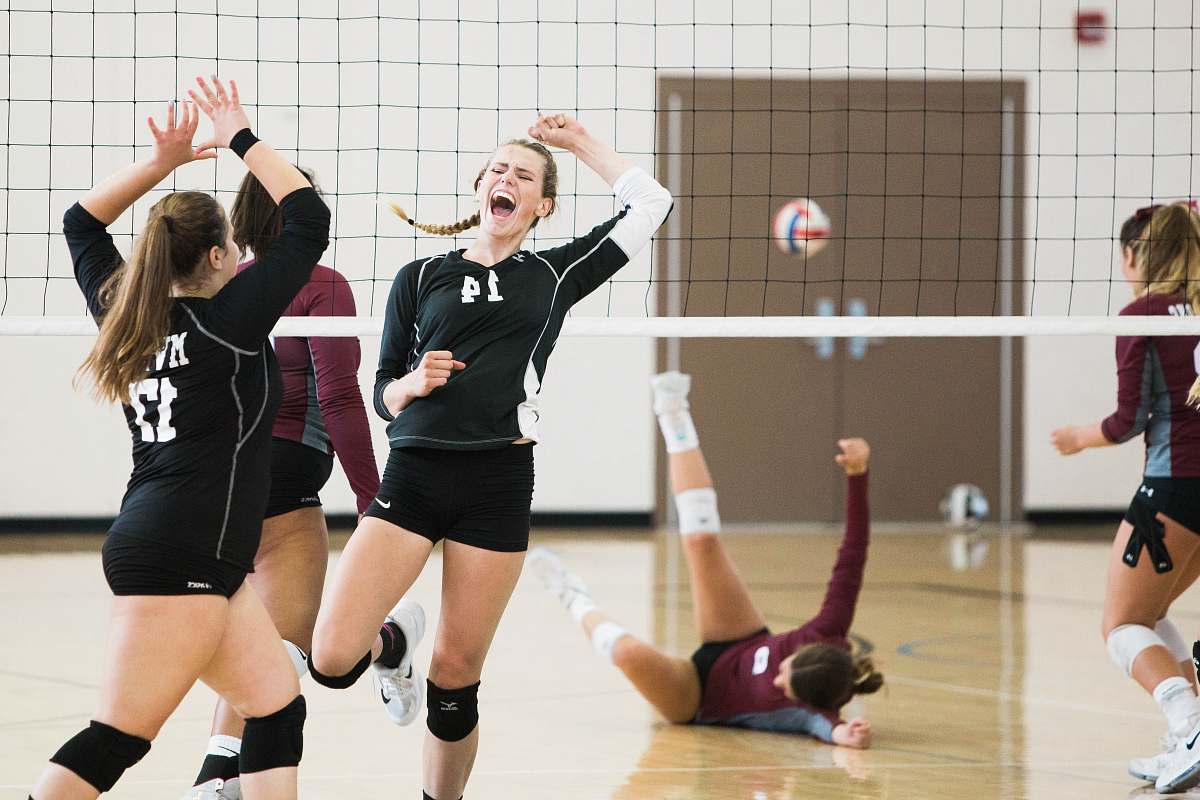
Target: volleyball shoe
(402, 688)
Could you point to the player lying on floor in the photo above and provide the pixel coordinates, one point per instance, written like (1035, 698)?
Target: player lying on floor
(743, 675)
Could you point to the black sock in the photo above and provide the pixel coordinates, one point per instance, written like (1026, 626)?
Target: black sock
(424, 796)
(394, 645)
(217, 766)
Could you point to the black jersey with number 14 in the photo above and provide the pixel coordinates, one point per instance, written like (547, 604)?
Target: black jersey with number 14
(502, 322)
(201, 418)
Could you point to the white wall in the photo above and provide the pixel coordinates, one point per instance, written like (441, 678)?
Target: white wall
(358, 124)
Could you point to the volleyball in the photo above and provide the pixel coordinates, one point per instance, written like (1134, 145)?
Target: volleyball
(801, 227)
(964, 506)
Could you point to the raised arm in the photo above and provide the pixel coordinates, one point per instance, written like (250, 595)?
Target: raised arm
(561, 130)
(841, 595)
(587, 262)
(231, 128)
(93, 253)
(248, 307)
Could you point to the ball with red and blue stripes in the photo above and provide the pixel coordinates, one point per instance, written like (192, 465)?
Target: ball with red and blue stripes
(801, 227)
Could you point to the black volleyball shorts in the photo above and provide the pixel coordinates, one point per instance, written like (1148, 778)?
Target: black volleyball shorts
(476, 497)
(298, 473)
(136, 566)
(1175, 498)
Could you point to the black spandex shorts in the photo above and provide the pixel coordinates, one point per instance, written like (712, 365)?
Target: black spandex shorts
(1176, 498)
(476, 497)
(298, 473)
(134, 566)
(708, 653)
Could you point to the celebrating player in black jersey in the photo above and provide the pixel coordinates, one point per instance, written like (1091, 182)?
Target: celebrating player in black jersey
(182, 345)
(465, 344)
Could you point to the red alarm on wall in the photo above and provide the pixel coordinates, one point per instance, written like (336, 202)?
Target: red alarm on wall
(1090, 27)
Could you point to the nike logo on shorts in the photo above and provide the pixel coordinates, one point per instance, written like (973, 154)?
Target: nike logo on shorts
(382, 504)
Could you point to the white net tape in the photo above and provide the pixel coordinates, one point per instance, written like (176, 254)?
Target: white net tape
(742, 327)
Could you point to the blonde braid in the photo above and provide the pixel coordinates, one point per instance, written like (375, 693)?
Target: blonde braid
(436, 230)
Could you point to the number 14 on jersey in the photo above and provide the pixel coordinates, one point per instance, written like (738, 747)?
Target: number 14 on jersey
(471, 290)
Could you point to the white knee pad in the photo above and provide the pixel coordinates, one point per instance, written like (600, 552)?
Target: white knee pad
(298, 657)
(1126, 642)
(697, 509)
(1173, 639)
(605, 637)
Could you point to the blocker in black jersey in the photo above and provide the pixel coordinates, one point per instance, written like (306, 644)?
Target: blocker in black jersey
(502, 322)
(201, 419)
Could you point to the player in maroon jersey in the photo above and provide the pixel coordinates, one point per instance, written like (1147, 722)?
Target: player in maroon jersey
(1161, 261)
(322, 413)
(743, 675)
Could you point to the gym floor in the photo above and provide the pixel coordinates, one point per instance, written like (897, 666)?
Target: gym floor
(998, 685)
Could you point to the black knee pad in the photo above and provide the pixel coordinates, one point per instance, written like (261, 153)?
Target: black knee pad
(452, 713)
(340, 681)
(100, 754)
(274, 741)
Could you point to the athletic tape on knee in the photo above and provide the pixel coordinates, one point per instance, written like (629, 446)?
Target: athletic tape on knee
(299, 658)
(697, 509)
(100, 754)
(451, 714)
(1126, 642)
(340, 681)
(1173, 639)
(605, 637)
(276, 740)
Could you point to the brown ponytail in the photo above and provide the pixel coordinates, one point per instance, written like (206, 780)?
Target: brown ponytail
(826, 677)
(181, 229)
(549, 189)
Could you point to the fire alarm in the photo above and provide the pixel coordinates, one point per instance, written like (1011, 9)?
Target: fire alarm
(1090, 27)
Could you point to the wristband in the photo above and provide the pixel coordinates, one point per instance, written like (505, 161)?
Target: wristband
(242, 141)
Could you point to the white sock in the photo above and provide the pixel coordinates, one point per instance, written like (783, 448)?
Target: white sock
(605, 637)
(1179, 704)
(221, 745)
(580, 605)
(678, 432)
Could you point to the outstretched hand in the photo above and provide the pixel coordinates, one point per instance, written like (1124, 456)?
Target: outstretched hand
(854, 456)
(223, 108)
(558, 130)
(855, 733)
(173, 146)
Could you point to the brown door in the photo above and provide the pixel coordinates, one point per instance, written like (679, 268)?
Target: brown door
(910, 175)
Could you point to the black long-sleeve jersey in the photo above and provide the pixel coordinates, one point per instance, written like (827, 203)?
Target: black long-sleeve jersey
(201, 419)
(502, 322)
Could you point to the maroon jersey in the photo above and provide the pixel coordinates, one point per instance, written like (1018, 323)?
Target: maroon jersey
(1154, 375)
(322, 405)
(740, 690)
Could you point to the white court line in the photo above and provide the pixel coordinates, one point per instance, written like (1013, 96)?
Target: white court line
(1038, 765)
(1036, 701)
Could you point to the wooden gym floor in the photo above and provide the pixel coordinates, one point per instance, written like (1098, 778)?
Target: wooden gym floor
(998, 682)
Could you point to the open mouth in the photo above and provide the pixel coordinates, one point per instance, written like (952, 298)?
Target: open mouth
(503, 204)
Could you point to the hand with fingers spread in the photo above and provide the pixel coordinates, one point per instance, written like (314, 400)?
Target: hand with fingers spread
(173, 146)
(434, 371)
(854, 456)
(558, 130)
(222, 107)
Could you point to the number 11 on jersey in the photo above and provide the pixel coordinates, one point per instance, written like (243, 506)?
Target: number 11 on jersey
(471, 290)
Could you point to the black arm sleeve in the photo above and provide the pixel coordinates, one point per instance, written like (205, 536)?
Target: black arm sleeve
(248, 307)
(584, 264)
(399, 332)
(93, 254)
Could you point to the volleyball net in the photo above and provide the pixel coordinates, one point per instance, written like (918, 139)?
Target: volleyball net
(975, 161)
